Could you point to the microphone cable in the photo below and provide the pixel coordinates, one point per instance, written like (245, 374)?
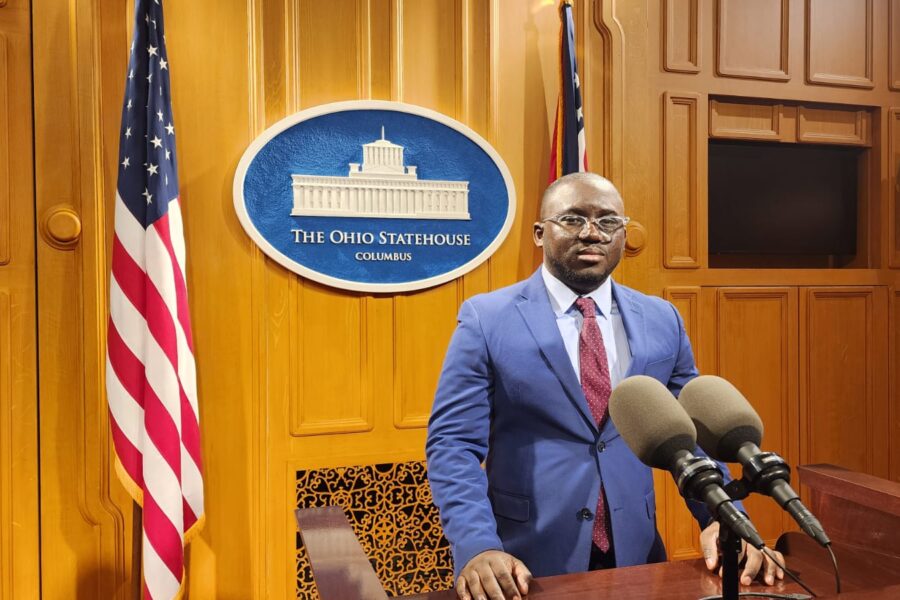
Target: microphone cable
(837, 573)
(790, 574)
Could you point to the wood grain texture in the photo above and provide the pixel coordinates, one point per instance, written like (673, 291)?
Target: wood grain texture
(833, 126)
(893, 187)
(746, 121)
(894, 45)
(7, 522)
(680, 181)
(752, 39)
(682, 36)
(843, 378)
(839, 43)
(678, 527)
(894, 402)
(757, 352)
(5, 225)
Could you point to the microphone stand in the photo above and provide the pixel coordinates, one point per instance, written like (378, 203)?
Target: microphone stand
(730, 545)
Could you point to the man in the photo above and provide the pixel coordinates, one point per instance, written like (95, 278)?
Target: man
(524, 390)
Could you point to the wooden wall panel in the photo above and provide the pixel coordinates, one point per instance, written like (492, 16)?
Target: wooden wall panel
(843, 378)
(331, 383)
(745, 121)
(894, 411)
(839, 43)
(894, 45)
(833, 126)
(681, 180)
(323, 75)
(7, 521)
(19, 456)
(678, 527)
(757, 352)
(752, 39)
(893, 187)
(682, 36)
(4, 152)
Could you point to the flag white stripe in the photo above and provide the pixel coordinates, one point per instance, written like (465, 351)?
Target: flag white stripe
(126, 412)
(191, 483)
(176, 228)
(159, 579)
(128, 320)
(130, 232)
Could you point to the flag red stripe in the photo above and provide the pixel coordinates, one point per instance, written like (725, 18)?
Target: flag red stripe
(127, 367)
(161, 430)
(163, 536)
(129, 456)
(189, 517)
(184, 315)
(129, 275)
(160, 324)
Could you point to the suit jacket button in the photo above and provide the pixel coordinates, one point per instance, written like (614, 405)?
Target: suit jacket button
(601, 446)
(585, 514)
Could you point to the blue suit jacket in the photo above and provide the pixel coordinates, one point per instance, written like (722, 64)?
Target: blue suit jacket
(509, 397)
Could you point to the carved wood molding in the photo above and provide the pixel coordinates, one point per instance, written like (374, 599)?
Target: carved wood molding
(724, 62)
(611, 89)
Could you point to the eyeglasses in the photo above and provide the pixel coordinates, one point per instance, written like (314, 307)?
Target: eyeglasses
(575, 224)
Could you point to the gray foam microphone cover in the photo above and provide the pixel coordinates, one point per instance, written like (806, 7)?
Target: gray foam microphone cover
(650, 421)
(722, 415)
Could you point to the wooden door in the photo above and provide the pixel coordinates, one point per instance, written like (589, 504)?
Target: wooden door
(19, 573)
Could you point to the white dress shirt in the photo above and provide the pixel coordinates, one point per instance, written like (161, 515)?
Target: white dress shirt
(569, 320)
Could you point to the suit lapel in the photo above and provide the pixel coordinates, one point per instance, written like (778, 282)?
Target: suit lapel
(541, 321)
(633, 320)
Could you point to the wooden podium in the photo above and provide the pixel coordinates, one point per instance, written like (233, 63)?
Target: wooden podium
(860, 512)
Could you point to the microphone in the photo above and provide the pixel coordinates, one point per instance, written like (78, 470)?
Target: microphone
(662, 436)
(728, 429)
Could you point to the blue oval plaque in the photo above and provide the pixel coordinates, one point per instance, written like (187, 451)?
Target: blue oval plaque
(374, 196)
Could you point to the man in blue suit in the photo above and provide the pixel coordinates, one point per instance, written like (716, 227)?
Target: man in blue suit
(524, 390)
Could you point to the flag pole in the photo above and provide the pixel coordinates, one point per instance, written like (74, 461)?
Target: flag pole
(137, 536)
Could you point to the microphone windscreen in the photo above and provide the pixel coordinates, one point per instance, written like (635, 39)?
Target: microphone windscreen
(723, 417)
(650, 421)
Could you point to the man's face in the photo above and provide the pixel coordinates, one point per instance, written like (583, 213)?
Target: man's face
(584, 259)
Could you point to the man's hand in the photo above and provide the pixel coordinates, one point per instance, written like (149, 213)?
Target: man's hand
(709, 544)
(493, 575)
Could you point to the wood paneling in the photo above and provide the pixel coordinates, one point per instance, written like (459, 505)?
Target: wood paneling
(678, 527)
(894, 386)
(752, 39)
(894, 411)
(682, 36)
(843, 378)
(338, 372)
(746, 121)
(833, 126)
(680, 181)
(893, 188)
(839, 42)
(4, 152)
(7, 522)
(894, 45)
(757, 352)
(19, 457)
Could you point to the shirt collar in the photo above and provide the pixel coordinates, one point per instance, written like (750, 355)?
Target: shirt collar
(562, 297)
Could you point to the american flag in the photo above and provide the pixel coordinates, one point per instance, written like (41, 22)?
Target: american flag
(567, 153)
(150, 371)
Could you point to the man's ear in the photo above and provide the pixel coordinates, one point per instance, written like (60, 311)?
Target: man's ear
(538, 234)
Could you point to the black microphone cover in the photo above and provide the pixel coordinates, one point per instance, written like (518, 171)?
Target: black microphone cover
(650, 421)
(723, 417)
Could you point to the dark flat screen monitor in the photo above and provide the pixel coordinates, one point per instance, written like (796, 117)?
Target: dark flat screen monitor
(782, 198)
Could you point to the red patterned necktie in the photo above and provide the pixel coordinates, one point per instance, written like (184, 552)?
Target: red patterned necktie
(597, 387)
